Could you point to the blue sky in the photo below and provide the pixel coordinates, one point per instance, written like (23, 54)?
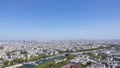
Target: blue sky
(59, 19)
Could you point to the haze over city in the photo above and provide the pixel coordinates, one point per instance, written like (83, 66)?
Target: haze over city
(59, 19)
(59, 33)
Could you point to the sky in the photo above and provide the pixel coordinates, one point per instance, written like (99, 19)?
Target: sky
(59, 19)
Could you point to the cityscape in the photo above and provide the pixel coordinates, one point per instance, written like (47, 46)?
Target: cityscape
(60, 54)
(59, 33)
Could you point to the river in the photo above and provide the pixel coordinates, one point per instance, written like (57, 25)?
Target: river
(50, 59)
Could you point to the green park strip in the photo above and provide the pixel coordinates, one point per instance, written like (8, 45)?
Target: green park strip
(22, 60)
(57, 65)
(53, 65)
(94, 49)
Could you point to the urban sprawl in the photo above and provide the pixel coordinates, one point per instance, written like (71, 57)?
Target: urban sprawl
(60, 54)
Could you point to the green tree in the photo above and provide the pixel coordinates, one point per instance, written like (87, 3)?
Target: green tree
(88, 63)
(69, 57)
(6, 63)
(8, 53)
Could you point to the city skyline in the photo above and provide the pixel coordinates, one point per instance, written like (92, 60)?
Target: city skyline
(63, 19)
